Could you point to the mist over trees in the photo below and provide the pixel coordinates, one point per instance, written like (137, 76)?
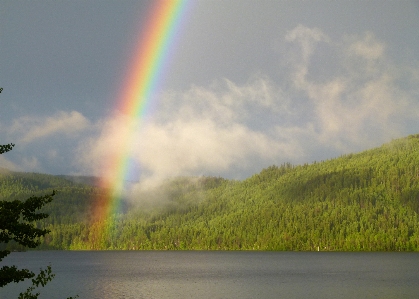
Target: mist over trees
(365, 201)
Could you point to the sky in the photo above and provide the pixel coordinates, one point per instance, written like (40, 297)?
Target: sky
(247, 84)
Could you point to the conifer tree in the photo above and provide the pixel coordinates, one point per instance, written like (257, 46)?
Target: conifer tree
(17, 224)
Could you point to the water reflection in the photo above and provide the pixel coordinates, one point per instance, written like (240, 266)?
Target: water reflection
(201, 274)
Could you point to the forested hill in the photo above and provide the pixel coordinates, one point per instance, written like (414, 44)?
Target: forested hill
(71, 204)
(364, 201)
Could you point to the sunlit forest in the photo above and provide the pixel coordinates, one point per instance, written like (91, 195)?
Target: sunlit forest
(366, 201)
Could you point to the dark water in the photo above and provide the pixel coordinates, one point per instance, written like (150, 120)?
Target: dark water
(206, 274)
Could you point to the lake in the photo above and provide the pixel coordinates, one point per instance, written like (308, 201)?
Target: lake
(221, 274)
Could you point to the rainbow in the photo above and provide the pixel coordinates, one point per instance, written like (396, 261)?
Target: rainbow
(145, 75)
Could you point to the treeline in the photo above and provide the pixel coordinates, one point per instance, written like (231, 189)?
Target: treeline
(365, 201)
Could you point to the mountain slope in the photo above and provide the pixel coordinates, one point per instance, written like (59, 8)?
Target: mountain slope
(364, 201)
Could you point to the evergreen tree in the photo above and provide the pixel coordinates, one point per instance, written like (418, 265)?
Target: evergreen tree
(17, 223)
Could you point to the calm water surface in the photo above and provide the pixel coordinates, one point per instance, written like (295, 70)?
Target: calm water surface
(221, 274)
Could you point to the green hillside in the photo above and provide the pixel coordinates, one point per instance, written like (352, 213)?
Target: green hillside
(365, 201)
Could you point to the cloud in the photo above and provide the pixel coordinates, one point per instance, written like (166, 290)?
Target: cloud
(307, 38)
(44, 143)
(230, 129)
(184, 147)
(25, 164)
(204, 130)
(304, 41)
(366, 46)
(5, 163)
(361, 99)
(29, 128)
(365, 104)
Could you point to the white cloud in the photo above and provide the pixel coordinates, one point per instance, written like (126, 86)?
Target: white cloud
(365, 104)
(305, 41)
(5, 163)
(199, 131)
(42, 142)
(307, 38)
(29, 128)
(26, 164)
(366, 46)
(185, 147)
(227, 127)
